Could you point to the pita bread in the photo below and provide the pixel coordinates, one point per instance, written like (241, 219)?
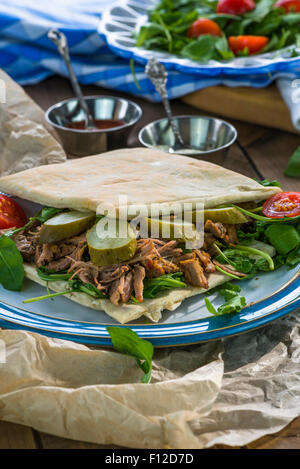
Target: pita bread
(150, 308)
(144, 176)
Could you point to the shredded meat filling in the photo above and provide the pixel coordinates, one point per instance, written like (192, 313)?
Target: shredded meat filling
(153, 258)
(138, 282)
(194, 273)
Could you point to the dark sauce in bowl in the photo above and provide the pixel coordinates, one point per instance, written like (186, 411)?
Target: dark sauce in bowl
(100, 124)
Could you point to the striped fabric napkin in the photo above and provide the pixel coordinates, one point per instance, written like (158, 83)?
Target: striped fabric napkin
(28, 56)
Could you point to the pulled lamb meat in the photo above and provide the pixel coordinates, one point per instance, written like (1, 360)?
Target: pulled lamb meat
(138, 282)
(153, 258)
(59, 256)
(194, 273)
(218, 232)
(206, 261)
(217, 229)
(116, 290)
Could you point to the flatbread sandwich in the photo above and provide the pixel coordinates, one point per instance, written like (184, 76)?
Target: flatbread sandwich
(132, 276)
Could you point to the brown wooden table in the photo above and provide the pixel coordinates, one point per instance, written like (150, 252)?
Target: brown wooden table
(259, 152)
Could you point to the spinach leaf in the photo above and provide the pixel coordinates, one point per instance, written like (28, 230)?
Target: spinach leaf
(293, 167)
(268, 183)
(46, 213)
(148, 32)
(232, 305)
(202, 49)
(293, 258)
(156, 285)
(267, 26)
(222, 47)
(263, 7)
(284, 238)
(234, 302)
(11, 265)
(126, 341)
(291, 19)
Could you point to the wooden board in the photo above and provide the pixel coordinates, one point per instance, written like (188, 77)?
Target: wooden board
(263, 106)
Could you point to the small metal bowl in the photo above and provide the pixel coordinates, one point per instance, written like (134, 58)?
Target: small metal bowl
(83, 142)
(206, 138)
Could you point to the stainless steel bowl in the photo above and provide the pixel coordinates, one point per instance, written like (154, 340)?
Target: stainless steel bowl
(206, 138)
(83, 142)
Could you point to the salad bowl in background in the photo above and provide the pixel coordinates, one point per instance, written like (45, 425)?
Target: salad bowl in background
(121, 23)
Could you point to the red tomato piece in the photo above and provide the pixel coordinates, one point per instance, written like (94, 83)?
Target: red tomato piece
(289, 6)
(283, 204)
(235, 7)
(254, 44)
(204, 26)
(11, 214)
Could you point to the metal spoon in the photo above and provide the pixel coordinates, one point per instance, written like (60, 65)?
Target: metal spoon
(60, 40)
(158, 75)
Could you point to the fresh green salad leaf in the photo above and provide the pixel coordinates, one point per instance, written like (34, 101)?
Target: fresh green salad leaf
(263, 8)
(293, 167)
(126, 341)
(46, 213)
(248, 259)
(202, 49)
(11, 265)
(268, 183)
(284, 238)
(156, 285)
(234, 302)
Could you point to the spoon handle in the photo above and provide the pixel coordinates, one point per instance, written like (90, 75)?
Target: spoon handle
(173, 124)
(157, 74)
(60, 40)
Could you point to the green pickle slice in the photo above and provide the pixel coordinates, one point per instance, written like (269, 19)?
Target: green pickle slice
(181, 231)
(111, 250)
(65, 225)
(228, 215)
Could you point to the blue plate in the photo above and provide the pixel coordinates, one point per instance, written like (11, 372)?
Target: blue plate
(189, 324)
(125, 17)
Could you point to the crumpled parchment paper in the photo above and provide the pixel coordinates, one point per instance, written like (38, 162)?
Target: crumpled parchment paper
(25, 141)
(223, 392)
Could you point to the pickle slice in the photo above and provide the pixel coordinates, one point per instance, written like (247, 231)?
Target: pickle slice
(111, 250)
(228, 215)
(64, 225)
(174, 230)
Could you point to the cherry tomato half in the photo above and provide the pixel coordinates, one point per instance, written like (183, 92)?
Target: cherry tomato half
(11, 214)
(235, 7)
(283, 204)
(204, 26)
(289, 6)
(254, 44)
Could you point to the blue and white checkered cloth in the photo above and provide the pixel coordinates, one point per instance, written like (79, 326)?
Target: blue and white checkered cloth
(28, 56)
